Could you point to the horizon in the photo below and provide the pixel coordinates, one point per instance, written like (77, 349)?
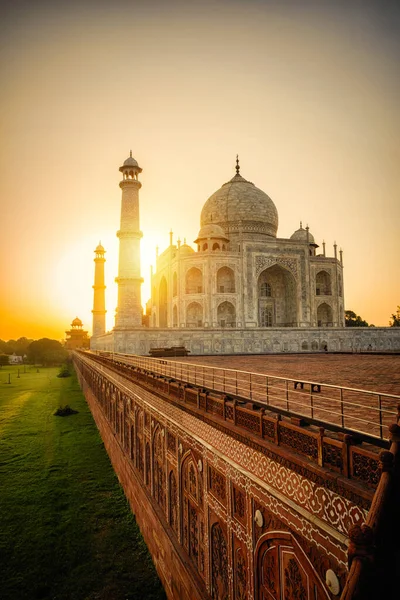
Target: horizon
(307, 94)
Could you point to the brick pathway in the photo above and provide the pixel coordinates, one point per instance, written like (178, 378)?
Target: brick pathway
(369, 372)
(379, 373)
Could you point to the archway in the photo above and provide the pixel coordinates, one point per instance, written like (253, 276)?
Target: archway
(192, 508)
(324, 315)
(175, 316)
(194, 281)
(226, 315)
(159, 488)
(174, 284)
(277, 298)
(194, 315)
(323, 284)
(163, 303)
(225, 281)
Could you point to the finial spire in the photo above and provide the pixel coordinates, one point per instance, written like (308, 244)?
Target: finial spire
(301, 224)
(130, 153)
(237, 165)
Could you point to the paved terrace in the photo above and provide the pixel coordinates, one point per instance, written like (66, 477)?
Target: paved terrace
(379, 373)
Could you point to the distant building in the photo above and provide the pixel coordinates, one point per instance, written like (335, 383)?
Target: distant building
(76, 336)
(14, 359)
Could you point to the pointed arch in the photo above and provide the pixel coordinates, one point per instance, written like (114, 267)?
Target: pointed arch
(226, 314)
(159, 481)
(324, 315)
(173, 502)
(194, 315)
(192, 511)
(194, 281)
(323, 285)
(225, 280)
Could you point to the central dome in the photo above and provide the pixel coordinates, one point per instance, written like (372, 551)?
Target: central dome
(240, 207)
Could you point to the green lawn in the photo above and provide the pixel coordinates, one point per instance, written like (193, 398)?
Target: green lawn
(66, 530)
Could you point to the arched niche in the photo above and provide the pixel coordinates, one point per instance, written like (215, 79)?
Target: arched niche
(324, 315)
(175, 316)
(226, 314)
(194, 281)
(173, 501)
(225, 280)
(175, 284)
(323, 285)
(193, 512)
(194, 315)
(159, 482)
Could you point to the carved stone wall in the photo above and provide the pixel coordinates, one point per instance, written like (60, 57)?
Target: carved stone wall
(252, 341)
(220, 518)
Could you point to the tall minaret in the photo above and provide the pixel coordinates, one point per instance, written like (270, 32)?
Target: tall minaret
(99, 302)
(129, 311)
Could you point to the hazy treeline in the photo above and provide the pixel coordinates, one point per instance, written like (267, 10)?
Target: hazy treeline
(44, 351)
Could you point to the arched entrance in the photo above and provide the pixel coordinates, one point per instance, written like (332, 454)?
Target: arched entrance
(277, 298)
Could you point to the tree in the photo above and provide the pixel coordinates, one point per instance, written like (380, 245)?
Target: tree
(395, 319)
(21, 346)
(353, 320)
(4, 360)
(47, 352)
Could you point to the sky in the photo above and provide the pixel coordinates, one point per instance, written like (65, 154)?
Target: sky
(306, 92)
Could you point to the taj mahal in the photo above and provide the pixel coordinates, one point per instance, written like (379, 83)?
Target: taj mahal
(243, 290)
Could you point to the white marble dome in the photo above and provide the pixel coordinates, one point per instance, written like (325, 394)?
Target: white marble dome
(130, 162)
(300, 235)
(240, 206)
(211, 231)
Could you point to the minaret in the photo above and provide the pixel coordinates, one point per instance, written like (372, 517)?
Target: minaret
(129, 311)
(99, 302)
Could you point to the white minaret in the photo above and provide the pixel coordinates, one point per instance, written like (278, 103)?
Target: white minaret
(99, 302)
(129, 310)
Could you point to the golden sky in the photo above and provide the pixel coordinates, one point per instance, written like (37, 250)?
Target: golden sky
(307, 93)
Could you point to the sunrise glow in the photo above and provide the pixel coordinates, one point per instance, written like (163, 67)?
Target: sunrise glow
(308, 96)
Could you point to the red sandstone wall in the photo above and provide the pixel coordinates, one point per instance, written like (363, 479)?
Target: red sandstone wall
(178, 582)
(220, 485)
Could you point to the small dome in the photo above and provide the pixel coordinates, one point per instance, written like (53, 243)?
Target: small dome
(130, 162)
(211, 230)
(99, 249)
(185, 248)
(76, 322)
(300, 235)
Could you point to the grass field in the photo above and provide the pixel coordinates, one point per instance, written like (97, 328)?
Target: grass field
(66, 530)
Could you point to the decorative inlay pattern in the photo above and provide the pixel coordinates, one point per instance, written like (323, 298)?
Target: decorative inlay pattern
(217, 484)
(264, 262)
